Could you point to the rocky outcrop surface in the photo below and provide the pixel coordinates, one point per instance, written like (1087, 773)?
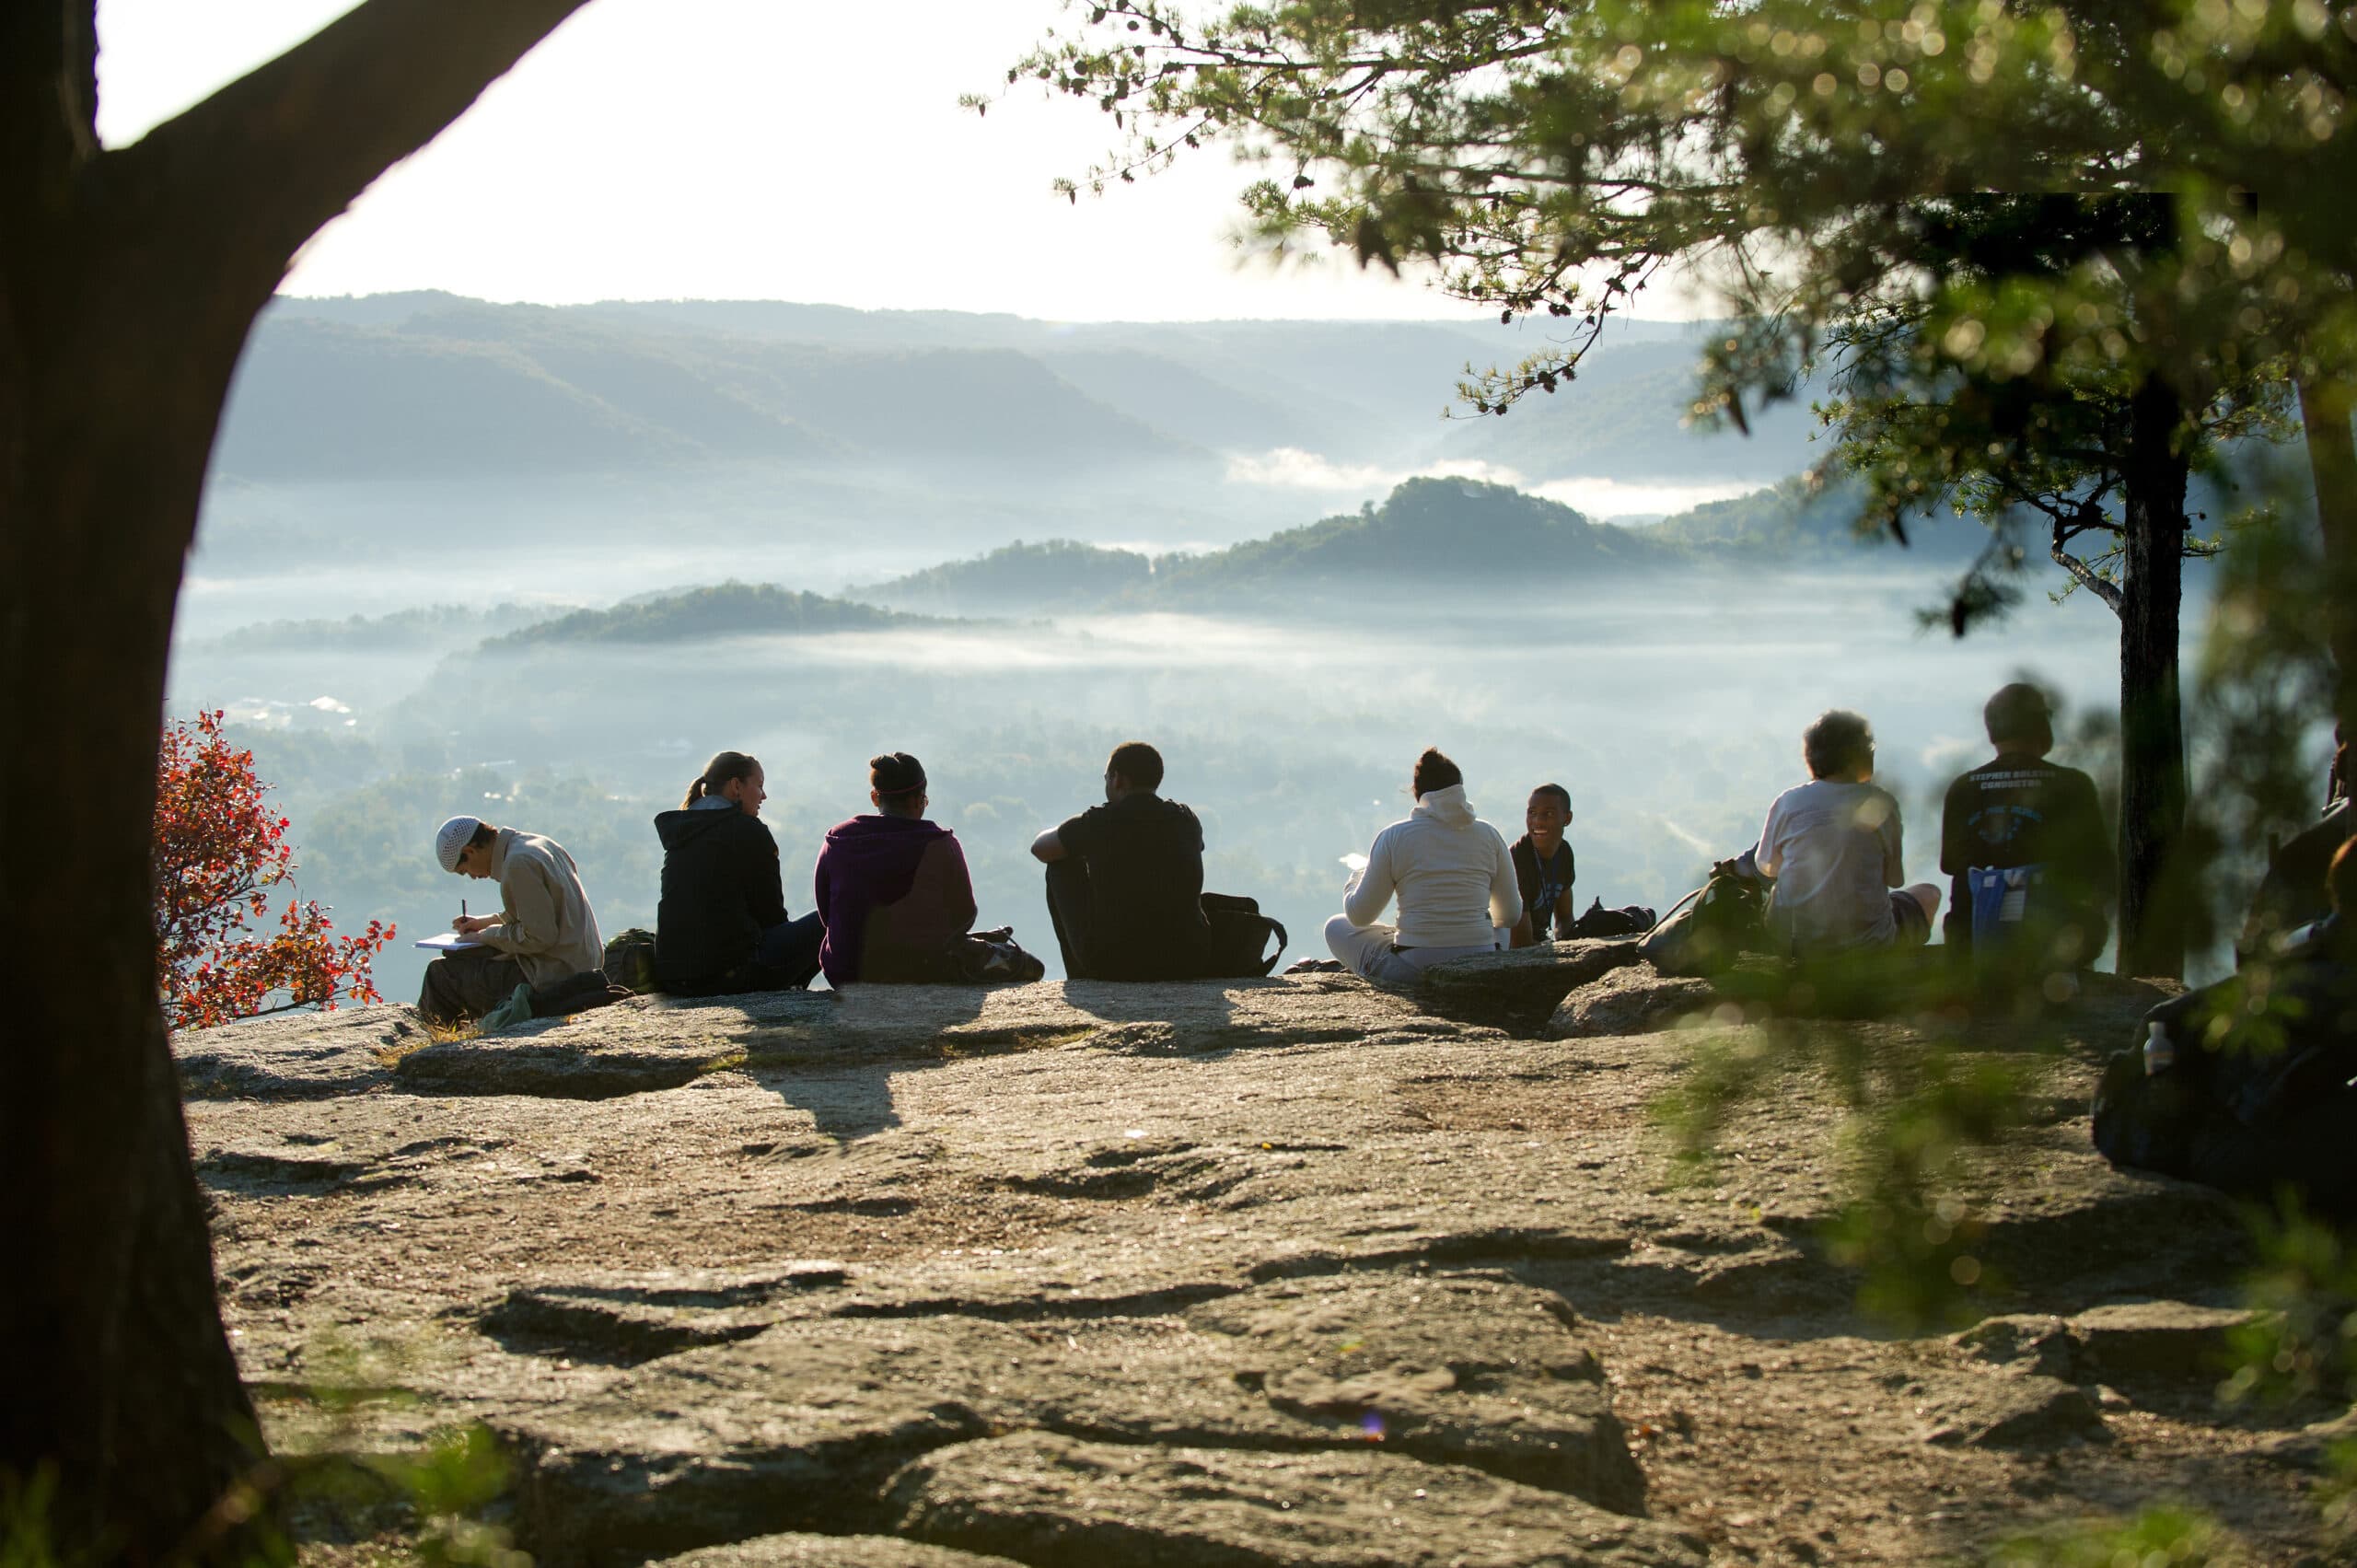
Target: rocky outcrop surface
(802, 1550)
(1290, 1271)
(1518, 990)
(774, 1432)
(1064, 1504)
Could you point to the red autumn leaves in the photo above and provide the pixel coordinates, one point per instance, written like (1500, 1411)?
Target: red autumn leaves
(221, 856)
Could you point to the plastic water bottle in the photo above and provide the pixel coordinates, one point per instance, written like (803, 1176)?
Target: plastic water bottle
(2160, 1052)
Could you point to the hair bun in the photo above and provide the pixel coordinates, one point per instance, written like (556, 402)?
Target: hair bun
(895, 773)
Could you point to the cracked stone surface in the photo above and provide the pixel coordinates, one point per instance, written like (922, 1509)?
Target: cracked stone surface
(770, 1433)
(805, 1551)
(1214, 1273)
(1065, 1503)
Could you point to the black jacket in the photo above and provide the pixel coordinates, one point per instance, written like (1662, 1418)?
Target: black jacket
(721, 890)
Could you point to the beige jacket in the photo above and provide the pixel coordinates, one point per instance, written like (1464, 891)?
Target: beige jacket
(545, 922)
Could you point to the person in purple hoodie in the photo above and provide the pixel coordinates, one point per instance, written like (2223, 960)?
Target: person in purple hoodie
(893, 888)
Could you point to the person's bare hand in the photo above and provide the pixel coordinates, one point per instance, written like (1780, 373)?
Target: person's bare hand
(468, 924)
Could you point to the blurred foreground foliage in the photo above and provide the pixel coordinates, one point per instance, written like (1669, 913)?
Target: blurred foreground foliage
(436, 1507)
(2160, 1536)
(1914, 1111)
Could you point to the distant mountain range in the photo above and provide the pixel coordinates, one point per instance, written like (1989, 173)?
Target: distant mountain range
(1444, 534)
(728, 609)
(420, 386)
(446, 623)
(1445, 537)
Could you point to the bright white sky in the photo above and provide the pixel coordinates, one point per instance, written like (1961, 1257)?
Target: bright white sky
(758, 150)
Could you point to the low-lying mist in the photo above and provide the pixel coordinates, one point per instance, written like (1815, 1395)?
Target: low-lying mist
(1670, 709)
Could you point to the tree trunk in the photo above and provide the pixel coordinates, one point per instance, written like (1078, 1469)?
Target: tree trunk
(2326, 403)
(2152, 881)
(122, 1376)
(128, 282)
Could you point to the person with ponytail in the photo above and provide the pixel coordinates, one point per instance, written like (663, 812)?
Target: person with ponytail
(1452, 874)
(722, 927)
(893, 887)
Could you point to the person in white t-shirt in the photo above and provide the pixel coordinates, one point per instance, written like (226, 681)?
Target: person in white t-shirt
(1833, 847)
(1452, 874)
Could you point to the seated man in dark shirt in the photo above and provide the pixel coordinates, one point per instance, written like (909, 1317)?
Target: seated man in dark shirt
(2020, 812)
(1125, 880)
(1543, 865)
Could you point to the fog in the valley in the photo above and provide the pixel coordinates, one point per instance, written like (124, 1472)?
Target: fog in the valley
(404, 535)
(1670, 710)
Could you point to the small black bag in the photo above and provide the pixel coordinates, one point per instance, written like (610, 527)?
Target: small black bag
(1630, 919)
(1239, 937)
(994, 957)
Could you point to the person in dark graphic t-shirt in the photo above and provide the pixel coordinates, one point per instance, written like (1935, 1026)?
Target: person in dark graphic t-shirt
(2019, 810)
(1543, 865)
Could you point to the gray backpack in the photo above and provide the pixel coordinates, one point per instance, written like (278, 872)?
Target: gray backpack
(630, 961)
(1712, 926)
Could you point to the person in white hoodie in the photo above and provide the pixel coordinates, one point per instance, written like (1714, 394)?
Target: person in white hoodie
(1454, 879)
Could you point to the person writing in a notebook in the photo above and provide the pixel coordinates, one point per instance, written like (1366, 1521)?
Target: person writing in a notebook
(544, 934)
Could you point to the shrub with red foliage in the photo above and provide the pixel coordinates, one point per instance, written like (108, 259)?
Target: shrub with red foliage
(220, 853)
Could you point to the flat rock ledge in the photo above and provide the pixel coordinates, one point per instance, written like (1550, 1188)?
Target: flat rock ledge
(1061, 1504)
(1523, 987)
(801, 1549)
(775, 1432)
(1279, 1271)
(1920, 989)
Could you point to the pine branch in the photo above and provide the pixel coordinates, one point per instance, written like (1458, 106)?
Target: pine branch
(2088, 579)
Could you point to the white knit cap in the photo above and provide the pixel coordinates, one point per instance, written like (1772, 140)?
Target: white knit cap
(451, 840)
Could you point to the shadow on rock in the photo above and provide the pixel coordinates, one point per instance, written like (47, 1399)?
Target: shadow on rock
(846, 1104)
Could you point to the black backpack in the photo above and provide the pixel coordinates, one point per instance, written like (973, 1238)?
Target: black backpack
(2264, 1113)
(630, 961)
(1239, 937)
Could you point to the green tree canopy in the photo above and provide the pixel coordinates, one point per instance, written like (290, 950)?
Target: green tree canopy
(1847, 178)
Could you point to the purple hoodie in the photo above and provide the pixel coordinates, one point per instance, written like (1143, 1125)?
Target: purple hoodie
(893, 892)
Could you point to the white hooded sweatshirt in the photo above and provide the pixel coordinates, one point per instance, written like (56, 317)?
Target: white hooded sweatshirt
(1452, 873)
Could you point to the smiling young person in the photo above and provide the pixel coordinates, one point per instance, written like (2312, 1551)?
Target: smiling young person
(1544, 866)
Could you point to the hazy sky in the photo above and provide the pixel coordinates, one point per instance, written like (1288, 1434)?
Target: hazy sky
(759, 149)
